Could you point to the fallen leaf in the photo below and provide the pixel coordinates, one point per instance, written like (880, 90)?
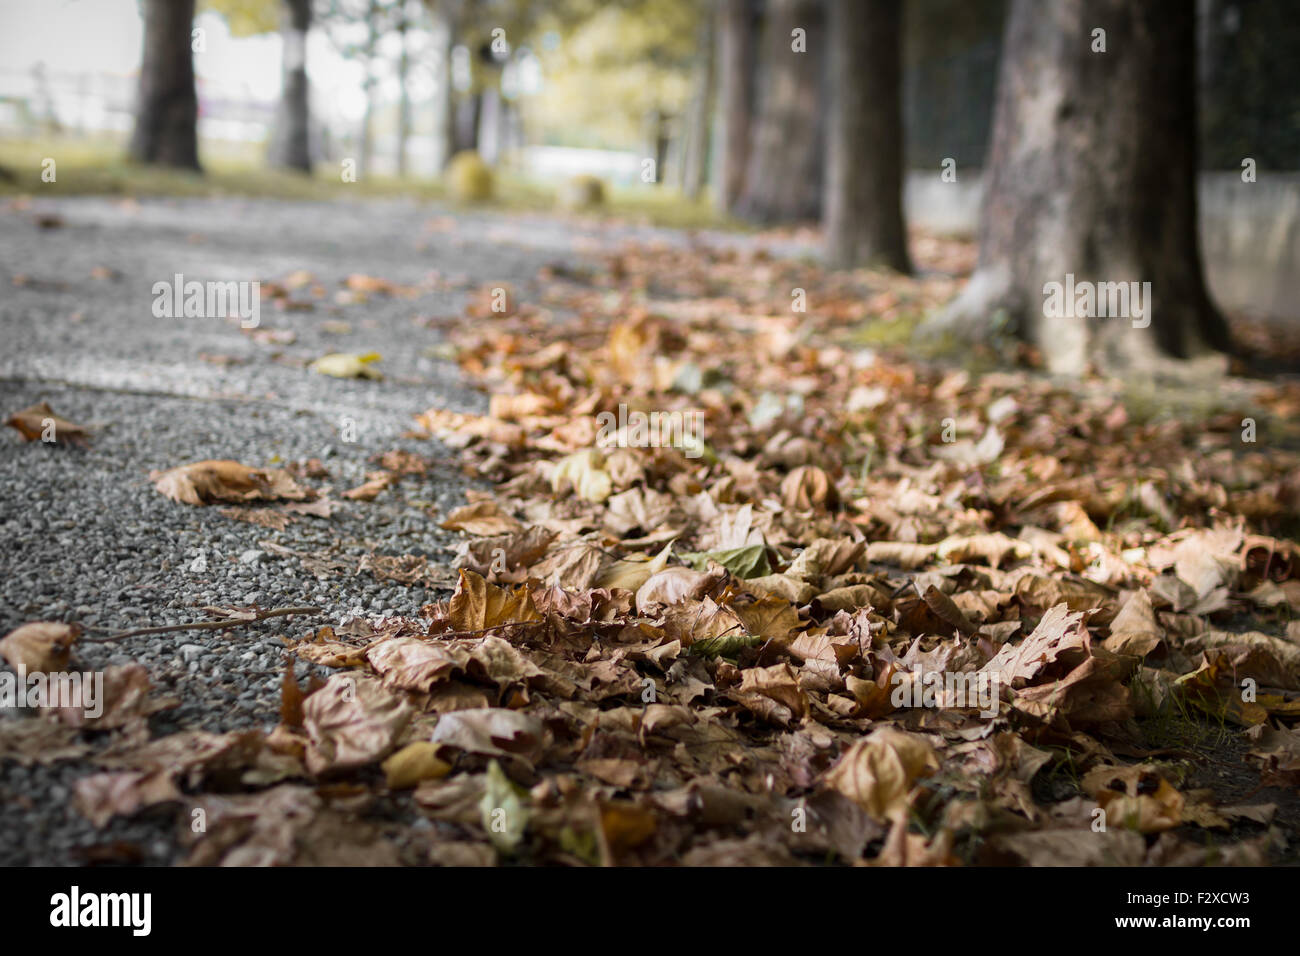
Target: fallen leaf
(347, 365)
(40, 647)
(39, 422)
(204, 482)
(878, 772)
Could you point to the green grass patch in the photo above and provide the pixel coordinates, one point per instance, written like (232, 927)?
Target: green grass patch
(98, 166)
(885, 333)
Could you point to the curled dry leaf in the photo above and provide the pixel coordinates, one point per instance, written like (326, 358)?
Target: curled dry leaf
(1134, 630)
(808, 487)
(414, 763)
(351, 722)
(878, 773)
(492, 731)
(483, 518)
(674, 585)
(517, 551)
(102, 796)
(125, 700)
(204, 482)
(774, 693)
(42, 646)
(1136, 798)
(520, 407)
(285, 825)
(39, 742)
(631, 574)
(376, 481)
(583, 473)
(476, 604)
(408, 663)
(39, 422)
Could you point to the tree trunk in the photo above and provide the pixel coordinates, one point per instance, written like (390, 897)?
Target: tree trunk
(404, 97)
(446, 16)
(784, 177)
(444, 113)
(371, 86)
(863, 201)
(1092, 175)
(291, 140)
(695, 150)
(656, 139)
(468, 113)
(366, 135)
(167, 113)
(737, 53)
(488, 142)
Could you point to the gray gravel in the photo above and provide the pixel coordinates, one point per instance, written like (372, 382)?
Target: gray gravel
(86, 538)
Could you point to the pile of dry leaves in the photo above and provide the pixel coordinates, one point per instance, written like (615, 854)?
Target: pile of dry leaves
(868, 612)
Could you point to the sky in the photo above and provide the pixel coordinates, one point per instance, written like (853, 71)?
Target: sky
(104, 37)
(95, 39)
(70, 35)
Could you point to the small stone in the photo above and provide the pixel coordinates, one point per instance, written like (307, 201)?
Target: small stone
(190, 652)
(252, 556)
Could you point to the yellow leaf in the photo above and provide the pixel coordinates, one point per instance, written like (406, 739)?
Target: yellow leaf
(347, 365)
(583, 472)
(413, 763)
(631, 574)
(477, 605)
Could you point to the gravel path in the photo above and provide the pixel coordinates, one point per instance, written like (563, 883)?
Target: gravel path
(83, 535)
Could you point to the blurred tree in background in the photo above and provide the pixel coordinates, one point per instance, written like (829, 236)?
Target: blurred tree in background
(167, 108)
(804, 111)
(862, 204)
(1092, 174)
(783, 178)
(614, 75)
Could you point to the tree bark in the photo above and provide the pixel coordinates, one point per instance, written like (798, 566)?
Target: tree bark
(444, 112)
(166, 121)
(1092, 173)
(370, 84)
(656, 136)
(863, 199)
(737, 35)
(783, 178)
(404, 96)
(291, 140)
(469, 111)
(695, 150)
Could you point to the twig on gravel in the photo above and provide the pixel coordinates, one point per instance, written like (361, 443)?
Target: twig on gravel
(208, 625)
